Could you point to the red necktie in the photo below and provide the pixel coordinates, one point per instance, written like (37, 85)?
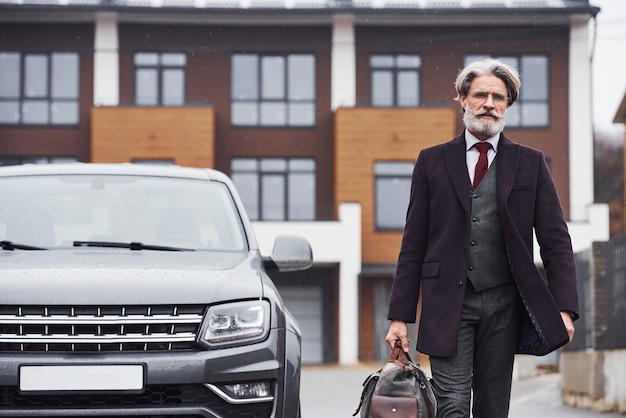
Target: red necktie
(482, 164)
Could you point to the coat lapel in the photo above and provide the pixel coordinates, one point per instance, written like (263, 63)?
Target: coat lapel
(456, 166)
(508, 160)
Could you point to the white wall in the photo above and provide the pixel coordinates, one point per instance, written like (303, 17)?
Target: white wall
(594, 228)
(331, 242)
(580, 127)
(343, 63)
(106, 61)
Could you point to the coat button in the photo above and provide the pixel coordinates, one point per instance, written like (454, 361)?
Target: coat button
(460, 283)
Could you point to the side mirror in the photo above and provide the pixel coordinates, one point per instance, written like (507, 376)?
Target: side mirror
(290, 253)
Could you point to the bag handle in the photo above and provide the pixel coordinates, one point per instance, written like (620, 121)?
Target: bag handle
(399, 355)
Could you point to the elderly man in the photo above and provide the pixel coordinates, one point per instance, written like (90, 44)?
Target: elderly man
(468, 247)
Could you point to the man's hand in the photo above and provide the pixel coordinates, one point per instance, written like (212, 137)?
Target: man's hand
(569, 324)
(398, 330)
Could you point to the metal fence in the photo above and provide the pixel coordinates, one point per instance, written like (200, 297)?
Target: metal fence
(602, 296)
(615, 299)
(583, 337)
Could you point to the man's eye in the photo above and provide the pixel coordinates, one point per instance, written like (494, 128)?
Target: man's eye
(481, 97)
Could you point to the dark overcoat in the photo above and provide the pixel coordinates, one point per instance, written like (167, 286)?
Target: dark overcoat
(434, 252)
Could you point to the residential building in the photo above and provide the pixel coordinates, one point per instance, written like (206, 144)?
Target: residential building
(317, 109)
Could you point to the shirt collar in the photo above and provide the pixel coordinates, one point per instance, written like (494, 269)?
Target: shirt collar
(470, 140)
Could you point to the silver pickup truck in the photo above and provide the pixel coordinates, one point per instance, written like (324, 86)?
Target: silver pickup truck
(135, 290)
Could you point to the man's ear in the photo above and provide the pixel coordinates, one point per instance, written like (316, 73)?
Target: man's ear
(463, 101)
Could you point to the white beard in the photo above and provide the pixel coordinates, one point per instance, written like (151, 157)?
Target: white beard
(484, 126)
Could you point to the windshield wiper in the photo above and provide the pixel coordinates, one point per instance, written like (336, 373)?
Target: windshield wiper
(10, 246)
(134, 246)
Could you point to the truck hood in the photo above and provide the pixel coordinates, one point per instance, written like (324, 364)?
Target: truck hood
(119, 277)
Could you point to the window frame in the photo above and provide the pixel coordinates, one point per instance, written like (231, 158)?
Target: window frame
(259, 100)
(403, 172)
(256, 169)
(395, 70)
(19, 160)
(47, 96)
(160, 68)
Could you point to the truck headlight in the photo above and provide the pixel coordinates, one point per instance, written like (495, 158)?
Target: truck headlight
(237, 322)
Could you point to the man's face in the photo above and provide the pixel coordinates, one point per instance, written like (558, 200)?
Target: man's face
(485, 106)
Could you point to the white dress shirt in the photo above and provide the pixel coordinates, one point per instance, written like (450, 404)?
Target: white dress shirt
(471, 154)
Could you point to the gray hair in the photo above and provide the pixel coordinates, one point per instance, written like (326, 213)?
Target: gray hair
(489, 66)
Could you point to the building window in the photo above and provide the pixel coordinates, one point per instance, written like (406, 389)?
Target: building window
(276, 189)
(532, 109)
(273, 90)
(153, 161)
(160, 78)
(395, 80)
(5, 161)
(39, 88)
(392, 189)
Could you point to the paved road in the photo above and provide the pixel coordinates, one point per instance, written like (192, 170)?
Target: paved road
(334, 392)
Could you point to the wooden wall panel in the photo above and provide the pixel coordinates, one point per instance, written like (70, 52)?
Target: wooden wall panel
(367, 334)
(181, 134)
(366, 135)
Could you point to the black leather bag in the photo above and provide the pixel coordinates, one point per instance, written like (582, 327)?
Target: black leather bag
(399, 390)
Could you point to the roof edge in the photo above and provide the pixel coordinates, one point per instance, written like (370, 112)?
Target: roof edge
(288, 16)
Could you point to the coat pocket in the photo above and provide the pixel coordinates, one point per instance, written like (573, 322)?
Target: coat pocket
(430, 270)
(521, 186)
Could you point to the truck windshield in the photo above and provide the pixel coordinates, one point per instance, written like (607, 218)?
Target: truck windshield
(58, 210)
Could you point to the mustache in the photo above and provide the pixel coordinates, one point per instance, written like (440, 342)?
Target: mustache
(488, 113)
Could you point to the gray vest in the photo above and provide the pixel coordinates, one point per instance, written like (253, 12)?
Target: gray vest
(488, 261)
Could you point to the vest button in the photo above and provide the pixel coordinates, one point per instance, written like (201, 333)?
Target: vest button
(473, 243)
(474, 219)
(471, 268)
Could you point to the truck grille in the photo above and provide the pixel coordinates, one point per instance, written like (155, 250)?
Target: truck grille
(99, 328)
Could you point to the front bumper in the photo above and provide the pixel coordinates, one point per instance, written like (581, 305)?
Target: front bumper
(175, 383)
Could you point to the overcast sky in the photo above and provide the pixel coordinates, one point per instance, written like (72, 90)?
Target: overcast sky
(609, 61)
